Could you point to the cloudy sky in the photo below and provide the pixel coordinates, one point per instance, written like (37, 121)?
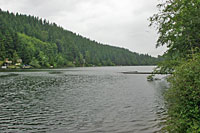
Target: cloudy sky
(122, 23)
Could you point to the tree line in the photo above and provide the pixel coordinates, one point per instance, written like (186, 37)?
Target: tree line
(40, 43)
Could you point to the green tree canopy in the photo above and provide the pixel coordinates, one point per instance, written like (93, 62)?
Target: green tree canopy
(40, 43)
(178, 26)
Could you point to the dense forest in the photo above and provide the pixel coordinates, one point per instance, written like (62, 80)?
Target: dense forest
(178, 25)
(40, 43)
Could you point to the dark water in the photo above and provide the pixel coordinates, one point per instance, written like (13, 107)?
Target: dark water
(81, 100)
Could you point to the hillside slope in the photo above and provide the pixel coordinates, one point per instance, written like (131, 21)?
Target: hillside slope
(42, 44)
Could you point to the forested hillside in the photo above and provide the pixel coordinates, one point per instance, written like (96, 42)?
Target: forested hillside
(40, 43)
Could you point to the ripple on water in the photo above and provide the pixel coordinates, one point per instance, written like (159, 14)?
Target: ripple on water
(79, 101)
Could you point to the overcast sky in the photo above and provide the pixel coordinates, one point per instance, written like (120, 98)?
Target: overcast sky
(122, 23)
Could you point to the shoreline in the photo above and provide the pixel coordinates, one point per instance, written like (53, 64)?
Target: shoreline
(136, 72)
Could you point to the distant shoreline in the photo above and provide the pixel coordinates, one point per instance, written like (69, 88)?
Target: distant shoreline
(40, 69)
(136, 72)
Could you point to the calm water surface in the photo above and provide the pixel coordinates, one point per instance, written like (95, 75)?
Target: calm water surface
(81, 100)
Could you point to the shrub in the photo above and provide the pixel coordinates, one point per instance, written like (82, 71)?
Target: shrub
(35, 63)
(1, 63)
(183, 97)
(70, 64)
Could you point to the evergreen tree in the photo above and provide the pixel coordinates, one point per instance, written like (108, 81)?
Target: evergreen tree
(37, 41)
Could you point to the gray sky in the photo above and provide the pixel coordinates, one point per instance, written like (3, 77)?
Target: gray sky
(122, 23)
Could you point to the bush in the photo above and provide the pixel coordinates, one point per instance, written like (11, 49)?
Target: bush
(1, 63)
(70, 64)
(183, 97)
(35, 63)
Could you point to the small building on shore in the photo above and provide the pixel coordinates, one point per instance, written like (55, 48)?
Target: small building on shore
(8, 62)
(18, 62)
(27, 66)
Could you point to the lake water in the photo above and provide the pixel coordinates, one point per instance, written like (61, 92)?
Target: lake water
(81, 100)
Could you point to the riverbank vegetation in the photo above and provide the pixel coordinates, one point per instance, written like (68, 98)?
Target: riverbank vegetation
(39, 43)
(178, 23)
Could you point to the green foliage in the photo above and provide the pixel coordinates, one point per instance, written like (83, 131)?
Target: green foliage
(177, 23)
(12, 67)
(167, 66)
(70, 64)
(184, 97)
(32, 49)
(44, 44)
(1, 63)
(178, 26)
(35, 63)
(150, 77)
(60, 60)
(15, 57)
